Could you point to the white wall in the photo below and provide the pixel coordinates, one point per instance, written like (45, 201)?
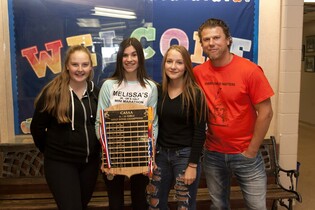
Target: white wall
(6, 102)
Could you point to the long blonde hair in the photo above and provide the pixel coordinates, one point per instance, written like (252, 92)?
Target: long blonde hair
(191, 91)
(56, 92)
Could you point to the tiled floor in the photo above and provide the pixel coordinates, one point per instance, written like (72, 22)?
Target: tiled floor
(306, 156)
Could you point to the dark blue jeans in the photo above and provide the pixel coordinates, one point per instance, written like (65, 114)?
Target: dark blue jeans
(171, 165)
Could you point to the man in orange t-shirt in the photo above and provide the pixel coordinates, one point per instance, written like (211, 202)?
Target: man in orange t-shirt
(238, 96)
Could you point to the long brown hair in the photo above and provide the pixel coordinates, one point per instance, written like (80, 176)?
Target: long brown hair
(56, 92)
(191, 91)
(141, 71)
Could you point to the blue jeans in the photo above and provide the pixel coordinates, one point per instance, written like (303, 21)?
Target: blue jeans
(249, 172)
(172, 164)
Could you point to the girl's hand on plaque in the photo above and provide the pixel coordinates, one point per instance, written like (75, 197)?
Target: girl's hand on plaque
(103, 168)
(109, 174)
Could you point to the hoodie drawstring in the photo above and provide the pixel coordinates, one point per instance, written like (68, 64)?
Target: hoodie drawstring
(72, 108)
(72, 102)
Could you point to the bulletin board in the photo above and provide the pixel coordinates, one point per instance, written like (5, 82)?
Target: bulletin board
(42, 30)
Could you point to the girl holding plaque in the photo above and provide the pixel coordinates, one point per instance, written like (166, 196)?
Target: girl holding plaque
(182, 112)
(129, 84)
(63, 128)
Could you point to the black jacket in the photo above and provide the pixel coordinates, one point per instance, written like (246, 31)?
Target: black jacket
(72, 142)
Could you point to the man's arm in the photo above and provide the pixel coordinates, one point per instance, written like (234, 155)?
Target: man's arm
(264, 116)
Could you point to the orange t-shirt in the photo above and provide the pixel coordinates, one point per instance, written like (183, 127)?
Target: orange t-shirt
(231, 92)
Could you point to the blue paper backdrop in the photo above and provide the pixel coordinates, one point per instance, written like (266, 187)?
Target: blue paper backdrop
(41, 31)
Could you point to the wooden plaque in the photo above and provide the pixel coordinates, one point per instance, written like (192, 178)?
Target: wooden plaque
(128, 136)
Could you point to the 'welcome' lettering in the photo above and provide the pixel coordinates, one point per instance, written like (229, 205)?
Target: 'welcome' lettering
(44, 60)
